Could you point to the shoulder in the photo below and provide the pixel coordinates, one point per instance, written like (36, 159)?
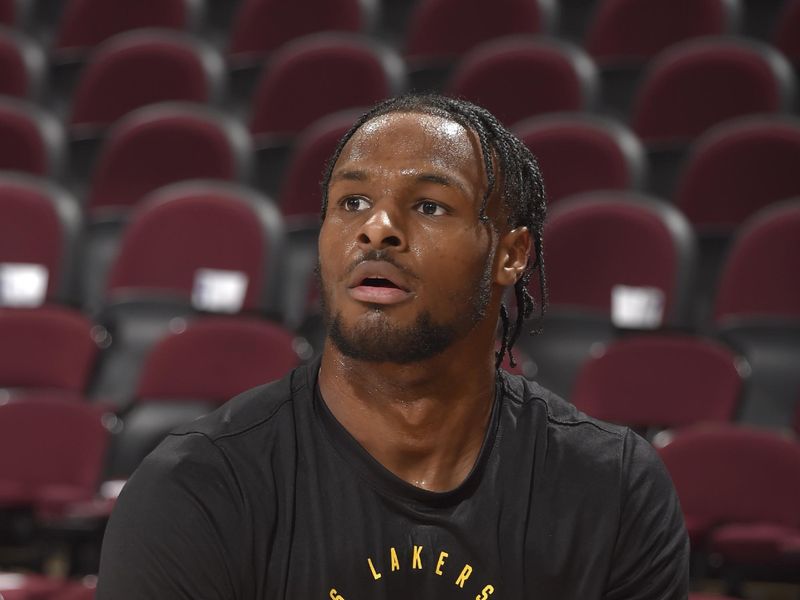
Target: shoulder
(573, 440)
(260, 408)
(560, 420)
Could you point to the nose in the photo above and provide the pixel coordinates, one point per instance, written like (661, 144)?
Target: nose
(381, 230)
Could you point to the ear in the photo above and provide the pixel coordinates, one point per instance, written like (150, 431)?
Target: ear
(513, 252)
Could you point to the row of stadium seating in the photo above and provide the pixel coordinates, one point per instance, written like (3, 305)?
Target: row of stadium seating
(724, 76)
(250, 29)
(616, 261)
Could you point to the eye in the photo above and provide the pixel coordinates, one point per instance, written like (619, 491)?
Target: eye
(430, 208)
(355, 203)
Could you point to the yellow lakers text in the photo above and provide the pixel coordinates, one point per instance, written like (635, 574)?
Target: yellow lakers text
(438, 566)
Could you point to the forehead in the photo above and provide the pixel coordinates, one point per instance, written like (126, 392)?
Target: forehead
(414, 141)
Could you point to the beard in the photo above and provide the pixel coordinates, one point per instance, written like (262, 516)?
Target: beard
(376, 338)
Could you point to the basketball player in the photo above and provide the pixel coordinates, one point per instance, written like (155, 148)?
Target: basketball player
(403, 463)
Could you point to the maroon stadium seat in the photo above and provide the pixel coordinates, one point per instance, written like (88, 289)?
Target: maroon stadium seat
(142, 67)
(216, 358)
(445, 29)
(582, 153)
(439, 32)
(633, 31)
(739, 489)
(262, 26)
(320, 74)
(51, 454)
(696, 84)
(787, 32)
(40, 224)
(757, 310)
(658, 381)
(180, 243)
(759, 278)
(599, 245)
(595, 234)
(190, 372)
(31, 139)
(192, 225)
(46, 349)
(739, 167)
(86, 23)
(164, 143)
(549, 76)
(22, 65)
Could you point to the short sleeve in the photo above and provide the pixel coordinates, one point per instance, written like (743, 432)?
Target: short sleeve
(651, 553)
(172, 533)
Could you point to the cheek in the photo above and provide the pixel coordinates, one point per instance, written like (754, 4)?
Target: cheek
(457, 262)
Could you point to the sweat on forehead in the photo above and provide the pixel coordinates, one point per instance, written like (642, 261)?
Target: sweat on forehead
(396, 135)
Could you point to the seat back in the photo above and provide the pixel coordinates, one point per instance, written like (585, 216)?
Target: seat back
(86, 23)
(164, 143)
(734, 474)
(660, 381)
(51, 447)
(433, 34)
(142, 67)
(46, 348)
(597, 241)
(182, 230)
(41, 226)
(549, 76)
(31, 139)
(696, 84)
(318, 75)
(216, 358)
(582, 153)
(262, 26)
(759, 277)
(632, 31)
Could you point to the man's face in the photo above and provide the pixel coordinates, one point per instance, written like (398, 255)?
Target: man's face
(406, 265)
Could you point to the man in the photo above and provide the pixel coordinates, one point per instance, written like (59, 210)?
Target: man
(403, 464)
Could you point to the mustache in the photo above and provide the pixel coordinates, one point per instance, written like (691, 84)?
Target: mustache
(379, 256)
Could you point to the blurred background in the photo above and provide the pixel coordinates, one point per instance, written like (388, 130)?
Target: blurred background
(160, 164)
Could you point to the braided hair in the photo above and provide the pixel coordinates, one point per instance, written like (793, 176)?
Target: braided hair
(522, 190)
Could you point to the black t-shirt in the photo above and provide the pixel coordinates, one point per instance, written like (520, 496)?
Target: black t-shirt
(270, 498)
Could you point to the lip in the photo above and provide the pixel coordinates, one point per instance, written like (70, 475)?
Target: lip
(378, 295)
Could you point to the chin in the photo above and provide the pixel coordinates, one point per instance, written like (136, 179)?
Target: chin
(376, 338)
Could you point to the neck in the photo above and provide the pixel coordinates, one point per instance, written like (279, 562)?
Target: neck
(425, 421)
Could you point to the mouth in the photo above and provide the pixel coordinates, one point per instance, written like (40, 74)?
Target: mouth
(378, 283)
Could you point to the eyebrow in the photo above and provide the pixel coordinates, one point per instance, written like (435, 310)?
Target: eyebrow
(349, 176)
(443, 180)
